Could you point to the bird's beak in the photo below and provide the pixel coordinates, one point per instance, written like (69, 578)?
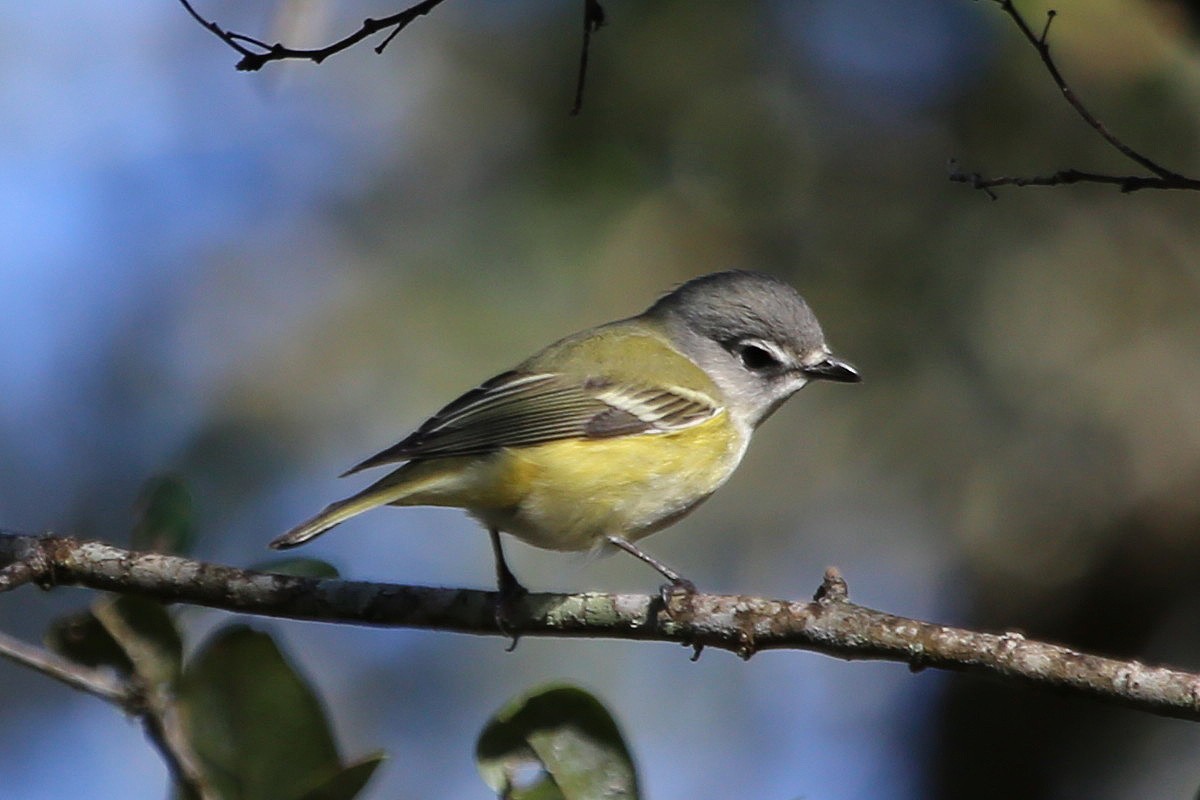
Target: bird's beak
(832, 369)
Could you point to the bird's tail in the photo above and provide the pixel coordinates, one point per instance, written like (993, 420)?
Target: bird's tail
(378, 494)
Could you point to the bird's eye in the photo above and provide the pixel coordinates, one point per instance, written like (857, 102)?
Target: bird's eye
(756, 358)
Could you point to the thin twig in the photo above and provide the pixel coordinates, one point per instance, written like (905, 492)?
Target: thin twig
(744, 625)
(1065, 177)
(593, 19)
(1164, 178)
(97, 682)
(160, 716)
(253, 60)
(1043, 50)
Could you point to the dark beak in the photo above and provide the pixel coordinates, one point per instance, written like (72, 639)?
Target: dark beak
(833, 369)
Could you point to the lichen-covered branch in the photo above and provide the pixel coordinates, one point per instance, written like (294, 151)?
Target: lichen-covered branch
(829, 624)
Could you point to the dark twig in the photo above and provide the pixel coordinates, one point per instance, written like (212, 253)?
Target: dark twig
(1163, 178)
(254, 59)
(593, 19)
(1050, 15)
(744, 625)
(1064, 177)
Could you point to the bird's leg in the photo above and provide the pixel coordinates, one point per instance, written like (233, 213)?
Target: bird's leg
(508, 584)
(509, 587)
(678, 582)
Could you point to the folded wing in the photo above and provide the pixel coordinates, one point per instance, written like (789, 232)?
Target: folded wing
(518, 409)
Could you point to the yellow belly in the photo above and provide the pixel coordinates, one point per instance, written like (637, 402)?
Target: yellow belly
(570, 494)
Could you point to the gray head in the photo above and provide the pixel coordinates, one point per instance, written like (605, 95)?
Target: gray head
(754, 335)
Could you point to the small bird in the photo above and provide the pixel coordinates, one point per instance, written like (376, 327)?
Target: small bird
(613, 433)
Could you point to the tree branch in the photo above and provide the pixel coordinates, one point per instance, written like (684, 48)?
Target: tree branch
(93, 681)
(1163, 178)
(744, 625)
(136, 696)
(144, 694)
(1064, 177)
(256, 53)
(154, 702)
(20, 562)
(593, 20)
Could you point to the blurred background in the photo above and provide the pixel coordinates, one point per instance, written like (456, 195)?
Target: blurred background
(255, 280)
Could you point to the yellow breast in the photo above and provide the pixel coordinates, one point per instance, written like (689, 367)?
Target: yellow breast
(568, 495)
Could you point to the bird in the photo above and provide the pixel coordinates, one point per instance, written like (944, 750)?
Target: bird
(613, 433)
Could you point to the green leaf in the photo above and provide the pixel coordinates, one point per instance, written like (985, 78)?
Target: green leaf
(348, 781)
(256, 725)
(301, 567)
(555, 742)
(164, 517)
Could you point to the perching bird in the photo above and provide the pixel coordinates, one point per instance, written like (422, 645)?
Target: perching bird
(611, 434)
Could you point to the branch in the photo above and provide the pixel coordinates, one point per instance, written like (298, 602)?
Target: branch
(138, 697)
(1163, 178)
(93, 681)
(255, 52)
(593, 19)
(744, 625)
(155, 702)
(21, 561)
(1064, 177)
(144, 694)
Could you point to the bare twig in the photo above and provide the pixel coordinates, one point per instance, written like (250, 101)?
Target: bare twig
(154, 672)
(150, 702)
(100, 683)
(744, 625)
(255, 52)
(1064, 177)
(1162, 178)
(593, 19)
(164, 728)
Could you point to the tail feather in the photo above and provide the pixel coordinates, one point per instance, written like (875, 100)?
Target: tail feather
(415, 483)
(335, 514)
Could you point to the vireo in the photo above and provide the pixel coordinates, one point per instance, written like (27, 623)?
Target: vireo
(611, 434)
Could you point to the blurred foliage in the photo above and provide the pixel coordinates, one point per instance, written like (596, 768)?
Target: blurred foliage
(555, 742)
(261, 732)
(257, 726)
(164, 517)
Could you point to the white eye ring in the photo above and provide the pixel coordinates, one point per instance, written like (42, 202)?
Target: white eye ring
(758, 356)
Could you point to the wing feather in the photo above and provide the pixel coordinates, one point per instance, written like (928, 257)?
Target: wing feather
(518, 409)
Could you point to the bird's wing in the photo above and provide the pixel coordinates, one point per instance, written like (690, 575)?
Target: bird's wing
(520, 409)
